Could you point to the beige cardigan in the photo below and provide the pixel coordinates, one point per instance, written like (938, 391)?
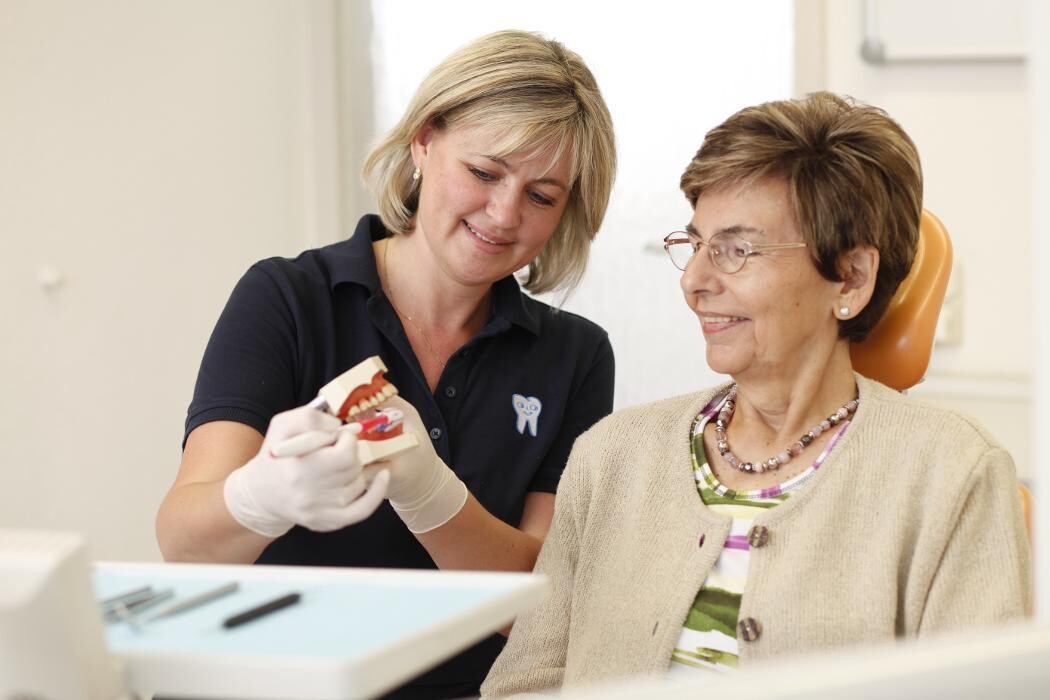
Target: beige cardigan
(912, 527)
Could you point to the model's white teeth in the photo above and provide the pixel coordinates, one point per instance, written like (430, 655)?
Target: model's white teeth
(474, 231)
(722, 319)
(374, 400)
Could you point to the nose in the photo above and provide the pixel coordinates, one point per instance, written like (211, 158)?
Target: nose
(504, 207)
(700, 274)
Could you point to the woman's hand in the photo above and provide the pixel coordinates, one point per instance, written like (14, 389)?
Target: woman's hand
(425, 493)
(321, 490)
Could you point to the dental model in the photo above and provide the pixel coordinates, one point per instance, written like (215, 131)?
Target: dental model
(356, 390)
(349, 397)
(383, 436)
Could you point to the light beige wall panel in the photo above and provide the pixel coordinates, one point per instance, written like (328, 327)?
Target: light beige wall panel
(971, 122)
(149, 152)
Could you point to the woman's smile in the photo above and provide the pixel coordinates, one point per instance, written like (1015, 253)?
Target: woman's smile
(485, 240)
(711, 323)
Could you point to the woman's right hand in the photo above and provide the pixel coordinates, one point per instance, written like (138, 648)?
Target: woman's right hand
(322, 490)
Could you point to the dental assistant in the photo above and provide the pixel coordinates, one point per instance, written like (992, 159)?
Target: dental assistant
(503, 161)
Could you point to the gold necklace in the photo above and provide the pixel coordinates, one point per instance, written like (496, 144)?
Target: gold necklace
(390, 297)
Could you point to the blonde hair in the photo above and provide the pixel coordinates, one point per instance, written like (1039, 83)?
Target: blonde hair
(852, 173)
(536, 95)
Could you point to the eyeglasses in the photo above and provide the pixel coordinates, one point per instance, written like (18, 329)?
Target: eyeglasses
(727, 251)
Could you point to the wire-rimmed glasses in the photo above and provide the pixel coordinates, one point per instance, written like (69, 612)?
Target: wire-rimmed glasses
(727, 251)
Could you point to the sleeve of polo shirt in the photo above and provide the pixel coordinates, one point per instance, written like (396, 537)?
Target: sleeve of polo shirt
(590, 400)
(984, 573)
(248, 371)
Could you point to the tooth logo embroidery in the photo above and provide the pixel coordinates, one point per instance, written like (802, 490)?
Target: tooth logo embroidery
(528, 410)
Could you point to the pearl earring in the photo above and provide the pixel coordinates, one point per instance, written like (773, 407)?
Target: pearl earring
(843, 311)
(416, 174)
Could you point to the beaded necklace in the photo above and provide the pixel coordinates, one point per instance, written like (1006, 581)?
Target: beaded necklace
(781, 458)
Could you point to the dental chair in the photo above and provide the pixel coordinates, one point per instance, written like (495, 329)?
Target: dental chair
(897, 351)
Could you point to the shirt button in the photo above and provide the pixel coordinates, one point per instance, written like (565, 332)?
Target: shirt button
(435, 433)
(758, 536)
(749, 629)
(450, 391)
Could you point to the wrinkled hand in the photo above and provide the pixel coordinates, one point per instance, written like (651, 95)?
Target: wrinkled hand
(424, 492)
(321, 490)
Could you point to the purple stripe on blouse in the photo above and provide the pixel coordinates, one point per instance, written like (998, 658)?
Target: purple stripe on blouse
(737, 542)
(711, 409)
(834, 441)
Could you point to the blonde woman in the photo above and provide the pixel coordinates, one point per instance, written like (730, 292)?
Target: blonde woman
(504, 160)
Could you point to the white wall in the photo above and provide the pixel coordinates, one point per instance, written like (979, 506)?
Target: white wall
(669, 71)
(1039, 43)
(149, 152)
(971, 123)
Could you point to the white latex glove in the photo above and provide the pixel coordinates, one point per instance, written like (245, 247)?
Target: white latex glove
(321, 490)
(424, 492)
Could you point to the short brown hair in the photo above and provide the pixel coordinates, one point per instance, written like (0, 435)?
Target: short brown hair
(536, 94)
(853, 178)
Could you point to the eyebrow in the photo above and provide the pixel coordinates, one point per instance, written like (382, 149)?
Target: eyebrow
(542, 180)
(734, 229)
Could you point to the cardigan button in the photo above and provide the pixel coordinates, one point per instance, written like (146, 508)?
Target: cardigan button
(758, 536)
(749, 629)
(701, 542)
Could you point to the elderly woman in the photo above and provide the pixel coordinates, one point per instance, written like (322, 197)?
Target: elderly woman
(503, 160)
(801, 506)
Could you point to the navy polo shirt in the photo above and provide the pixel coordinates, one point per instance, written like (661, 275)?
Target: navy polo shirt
(503, 416)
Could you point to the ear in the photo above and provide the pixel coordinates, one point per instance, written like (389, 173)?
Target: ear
(420, 145)
(858, 268)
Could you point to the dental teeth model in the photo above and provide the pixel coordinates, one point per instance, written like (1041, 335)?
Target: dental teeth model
(356, 390)
(383, 436)
(350, 397)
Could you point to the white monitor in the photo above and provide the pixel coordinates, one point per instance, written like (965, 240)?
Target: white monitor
(1009, 662)
(52, 644)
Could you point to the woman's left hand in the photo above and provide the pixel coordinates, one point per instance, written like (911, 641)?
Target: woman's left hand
(424, 492)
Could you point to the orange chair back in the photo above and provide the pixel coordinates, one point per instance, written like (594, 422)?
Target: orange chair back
(897, 351)
(1026, 507)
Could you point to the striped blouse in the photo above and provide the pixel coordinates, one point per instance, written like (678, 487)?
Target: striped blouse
(708, 639)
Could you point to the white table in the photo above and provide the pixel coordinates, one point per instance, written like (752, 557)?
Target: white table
(355, 633)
